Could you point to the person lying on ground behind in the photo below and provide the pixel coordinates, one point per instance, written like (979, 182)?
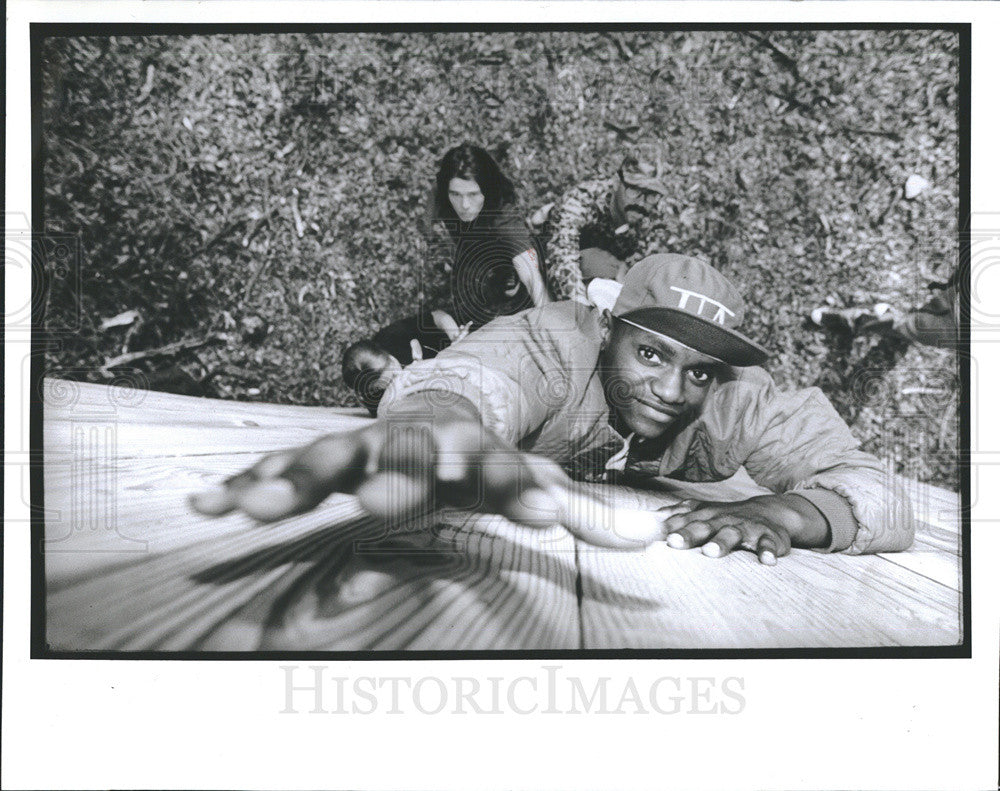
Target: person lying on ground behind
(368, 366)
(935, 323)
(663, 384)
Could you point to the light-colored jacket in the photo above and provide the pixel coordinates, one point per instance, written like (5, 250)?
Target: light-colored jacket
(534, 379)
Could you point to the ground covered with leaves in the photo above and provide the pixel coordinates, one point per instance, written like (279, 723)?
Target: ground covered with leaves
(244, 206)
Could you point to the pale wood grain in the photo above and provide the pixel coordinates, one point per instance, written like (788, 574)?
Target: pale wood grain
(807, 600)
(944, 568)
(162, 578)
(129, 567)
(327, 581)
(147, 424)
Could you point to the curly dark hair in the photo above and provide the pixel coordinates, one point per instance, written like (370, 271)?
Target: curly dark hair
(471, 163)
(361, 368)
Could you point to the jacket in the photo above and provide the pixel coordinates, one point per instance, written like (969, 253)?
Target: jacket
(534, 377)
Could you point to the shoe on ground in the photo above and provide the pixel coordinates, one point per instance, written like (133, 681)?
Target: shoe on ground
(856, 321)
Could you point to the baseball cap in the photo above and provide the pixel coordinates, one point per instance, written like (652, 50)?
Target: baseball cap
(688, 300)
(636, 191)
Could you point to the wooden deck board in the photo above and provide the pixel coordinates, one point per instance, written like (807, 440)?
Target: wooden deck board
(130, 567)
(807, 600)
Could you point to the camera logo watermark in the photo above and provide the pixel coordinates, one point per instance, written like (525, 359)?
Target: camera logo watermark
(317, 689)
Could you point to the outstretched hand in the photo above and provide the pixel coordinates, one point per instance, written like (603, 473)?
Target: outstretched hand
(404, 468)
(769, 526)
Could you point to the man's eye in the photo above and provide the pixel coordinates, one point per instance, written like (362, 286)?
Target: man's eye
(699, 377)
(648, 354)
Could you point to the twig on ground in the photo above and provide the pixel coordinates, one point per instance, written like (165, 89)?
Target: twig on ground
(947, 419)
(874, 132)
(252, 230)
(620, 45)
(626, 132)
(168, 349)
(300, 227)
(147, 86)
(779, 55)
(892, 202)
(791, 65)
(265, 260)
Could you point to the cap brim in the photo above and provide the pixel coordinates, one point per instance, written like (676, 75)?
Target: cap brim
(700, 334)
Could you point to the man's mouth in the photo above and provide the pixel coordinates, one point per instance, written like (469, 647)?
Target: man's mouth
(662, 410)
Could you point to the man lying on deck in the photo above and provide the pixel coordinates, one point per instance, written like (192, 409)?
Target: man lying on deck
(663, 384)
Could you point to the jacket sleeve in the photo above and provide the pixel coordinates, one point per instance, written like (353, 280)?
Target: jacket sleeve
(576, 209)
(513, 233)
(796, 442)
(497, 369)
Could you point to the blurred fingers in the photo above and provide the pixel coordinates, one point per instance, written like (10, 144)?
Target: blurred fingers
(286, 483)
(597, 521)
(458, 451)
(223, 499)
(536, 491)
(272, 499)
(213, 502)
(394, 494)
(593, 518)
(334, 463)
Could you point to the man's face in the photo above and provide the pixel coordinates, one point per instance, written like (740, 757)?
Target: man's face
(466, 199)
(651, 381)
(391, 367)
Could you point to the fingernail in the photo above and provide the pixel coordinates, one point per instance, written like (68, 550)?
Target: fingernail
(767, 558)
(712, 549)
(676, 540)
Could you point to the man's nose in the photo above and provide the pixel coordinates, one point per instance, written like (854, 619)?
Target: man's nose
(669, 386)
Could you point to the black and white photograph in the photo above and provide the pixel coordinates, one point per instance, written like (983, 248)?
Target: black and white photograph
(659, 327)
(447, 366)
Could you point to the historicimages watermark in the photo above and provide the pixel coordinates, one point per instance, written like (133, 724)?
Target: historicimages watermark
(319, 689)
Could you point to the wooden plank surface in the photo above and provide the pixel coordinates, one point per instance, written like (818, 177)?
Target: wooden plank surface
(165, 579)
(147, 424)
(807, 600)
(329, 581)
(129, 566)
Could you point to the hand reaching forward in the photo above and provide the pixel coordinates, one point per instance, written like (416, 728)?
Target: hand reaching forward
(402, 468)
(768, 526)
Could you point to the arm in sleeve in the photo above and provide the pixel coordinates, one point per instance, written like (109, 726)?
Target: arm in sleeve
(497, 375)
(578, 208)
(526, 266)
(796, 442)
(523, 251)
